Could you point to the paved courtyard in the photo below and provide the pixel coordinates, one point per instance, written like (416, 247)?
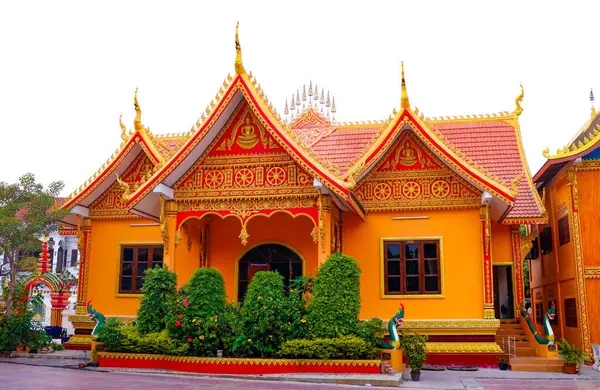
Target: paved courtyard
(35, 375)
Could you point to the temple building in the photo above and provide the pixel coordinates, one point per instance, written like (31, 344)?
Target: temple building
(565, 267)
(430, 207)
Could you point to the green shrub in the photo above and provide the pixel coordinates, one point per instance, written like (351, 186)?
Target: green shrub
(414, 347)
(126, 338)
(346, 347)
(372, 331)
(206, 293)
(195, 314)
(110, 334)
(230, 327)
(335, 303)
(297, 326)
(57, 347)
(263, 313)
(159, 290)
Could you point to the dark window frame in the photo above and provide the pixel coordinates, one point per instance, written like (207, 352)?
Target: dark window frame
(570, 310)
(402, 264)
(564, 235)
(134, 272)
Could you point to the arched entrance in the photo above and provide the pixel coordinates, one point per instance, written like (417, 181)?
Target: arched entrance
(268, 257)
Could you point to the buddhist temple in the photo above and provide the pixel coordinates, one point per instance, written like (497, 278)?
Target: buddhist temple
(565, 267)
(429, 206)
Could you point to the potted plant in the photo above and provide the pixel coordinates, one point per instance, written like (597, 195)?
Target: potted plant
(413, 346)
(503, 363)
(572, 356)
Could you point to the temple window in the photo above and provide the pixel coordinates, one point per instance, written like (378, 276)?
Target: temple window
(135, 260)
(412, 267)
(564, 236)
(539, 310)
(74, 254)
(571, 313)
(546, 240)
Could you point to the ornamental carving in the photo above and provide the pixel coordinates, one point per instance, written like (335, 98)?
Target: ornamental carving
(111, 202)
(245, 208)
(244, 162)
(410, 177)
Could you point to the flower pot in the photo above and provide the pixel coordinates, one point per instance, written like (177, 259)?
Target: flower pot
(570, 368)
(503, 366)
(415, 376)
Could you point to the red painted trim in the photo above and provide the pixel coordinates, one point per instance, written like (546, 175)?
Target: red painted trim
(387, 145)
(239, 79)
(463, 359)
(243, 367)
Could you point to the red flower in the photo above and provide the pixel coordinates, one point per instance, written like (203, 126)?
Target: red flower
(189, 340)
(180, 316)
(186, 303)
(177, 323)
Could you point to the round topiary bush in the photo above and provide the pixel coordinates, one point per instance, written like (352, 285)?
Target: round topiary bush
(206, 293)
(335, 302)
(159, 291)
(263, 314)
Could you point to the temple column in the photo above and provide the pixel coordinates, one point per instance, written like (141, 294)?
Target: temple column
(59, 301)
(579, 266)
(488, 274)
(168, 222)
(83, 324)
(517, 258)
(324, 233)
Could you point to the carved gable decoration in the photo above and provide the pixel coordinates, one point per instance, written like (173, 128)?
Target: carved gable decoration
(110, 204)
(244, 134)
(410, 177)
(244, 161)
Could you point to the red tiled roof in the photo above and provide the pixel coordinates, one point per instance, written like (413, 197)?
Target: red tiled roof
(344, 145)
(494, 146)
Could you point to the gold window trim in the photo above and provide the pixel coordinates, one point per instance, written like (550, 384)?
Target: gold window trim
(121, 245)
(382, 242)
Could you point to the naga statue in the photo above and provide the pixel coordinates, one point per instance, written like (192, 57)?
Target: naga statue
(526, 313)
(96, 316)
(393, 324)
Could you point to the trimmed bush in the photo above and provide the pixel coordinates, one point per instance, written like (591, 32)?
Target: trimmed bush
(371, 331)
(194, 318)
(159, 290)
(126, 338)
(206, 293)
(264, 315)
(346, 347)
(335, 303)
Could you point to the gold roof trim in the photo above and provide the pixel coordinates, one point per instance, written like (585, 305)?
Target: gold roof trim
(575, 148)
(239, 66)
(404, 102)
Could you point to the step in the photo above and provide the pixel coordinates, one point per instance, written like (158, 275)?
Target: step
(501, 340)
(509, 321)
(510, 331)
(509, 326)
(536, 364)
(526, 352)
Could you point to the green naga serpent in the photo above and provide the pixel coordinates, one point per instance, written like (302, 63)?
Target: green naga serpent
(393, 325)
(526, 312)
(96, 316)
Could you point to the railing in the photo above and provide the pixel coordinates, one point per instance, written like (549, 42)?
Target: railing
(509, 345)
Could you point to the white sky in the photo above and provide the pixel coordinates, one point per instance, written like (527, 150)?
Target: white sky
(68, 69)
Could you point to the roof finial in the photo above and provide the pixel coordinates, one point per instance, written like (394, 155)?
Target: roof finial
(123, 129)
(286, 110)
(239, 66)
(518, 101)
(594, 112)
(137, 122)
(404, 102)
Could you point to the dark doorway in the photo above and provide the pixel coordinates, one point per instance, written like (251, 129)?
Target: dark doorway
(503, 292)
(268, 257)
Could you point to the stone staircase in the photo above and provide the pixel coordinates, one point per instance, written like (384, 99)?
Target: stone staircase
(526, 359)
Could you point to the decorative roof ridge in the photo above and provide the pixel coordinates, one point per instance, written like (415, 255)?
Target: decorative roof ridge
(360, 166)
(536, 197)
(351, 125)
(128, 137)
(576, 148)
(485, 117)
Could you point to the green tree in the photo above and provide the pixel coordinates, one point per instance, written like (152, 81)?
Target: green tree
(264, 314)
(160, 287)
(335, 303)
(27, 212)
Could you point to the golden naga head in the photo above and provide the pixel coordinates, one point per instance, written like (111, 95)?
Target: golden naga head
(519, 110)
(137, 122)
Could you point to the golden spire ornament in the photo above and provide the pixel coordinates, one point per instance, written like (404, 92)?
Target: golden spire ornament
(594, 112)
(123, 129)
(404, 102)
(239, 66)
(137, 122)
(519, 110)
